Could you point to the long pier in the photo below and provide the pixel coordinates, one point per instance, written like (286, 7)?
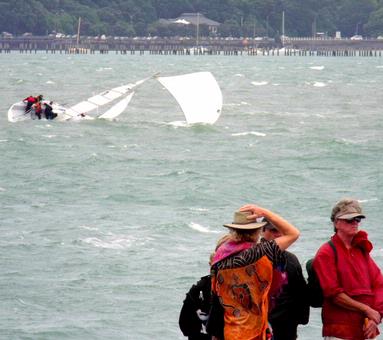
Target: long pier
(188, 46)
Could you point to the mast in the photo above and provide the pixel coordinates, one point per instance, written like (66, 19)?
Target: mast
(197, 40)
(283, 24)
(78, 31)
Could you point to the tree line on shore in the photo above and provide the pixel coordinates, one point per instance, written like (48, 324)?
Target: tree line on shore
(238, 18)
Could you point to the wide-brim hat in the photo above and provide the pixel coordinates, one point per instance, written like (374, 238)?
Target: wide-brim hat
(240, 221)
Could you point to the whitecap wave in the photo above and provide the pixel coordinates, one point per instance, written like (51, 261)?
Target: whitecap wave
(239, 75)
(178, 123)
(259, 83)
(50, 82)
(379, 66)
(368, 200)
(201, 228)
(318, 68)
(2, 189)
(114, 242)
(101, 69)
(3, 140)
(199, 209)
(254, 133)
(319, 84)
(88, 228)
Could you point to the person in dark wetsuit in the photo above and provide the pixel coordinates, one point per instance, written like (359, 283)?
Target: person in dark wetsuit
(49, 114)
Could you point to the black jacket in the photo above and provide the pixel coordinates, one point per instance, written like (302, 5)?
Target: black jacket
(195, 310)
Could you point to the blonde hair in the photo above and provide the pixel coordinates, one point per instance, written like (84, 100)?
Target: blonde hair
(240, 235)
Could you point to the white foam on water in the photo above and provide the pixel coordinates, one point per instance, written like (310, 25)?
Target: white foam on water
(319, 84)
(318, 68)
(88, 228)
(3, 140)
(276, 84)
(239, 75)
(50, 82)
(199, 209)
(2, 189)
(101, 69)
(49, 136)
(379, 66)
(178, 123)
(19, 81)
(368, 200)
(201, 228)
(112, 242)
(259, 83)
(254, 133)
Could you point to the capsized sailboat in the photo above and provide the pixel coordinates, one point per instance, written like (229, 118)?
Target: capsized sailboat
(198, 95)
(86, 109)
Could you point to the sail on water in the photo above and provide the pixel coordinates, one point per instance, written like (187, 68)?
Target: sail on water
(118, 108)
(86, 109)
(94, 103)
(198, 95)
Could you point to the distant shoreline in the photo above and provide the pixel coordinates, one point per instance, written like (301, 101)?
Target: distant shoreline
(187, 45)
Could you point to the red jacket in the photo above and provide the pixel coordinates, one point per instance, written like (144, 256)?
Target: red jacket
(354, 273)
(30, 99)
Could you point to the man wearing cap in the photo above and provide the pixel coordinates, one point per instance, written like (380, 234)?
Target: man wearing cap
(241, 273)
(289, 305)
(351, 281)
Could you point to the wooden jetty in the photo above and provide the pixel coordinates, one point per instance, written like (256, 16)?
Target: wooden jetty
(188, 46)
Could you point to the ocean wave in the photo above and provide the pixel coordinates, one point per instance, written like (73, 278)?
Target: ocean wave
(199, 209)
(254, 133)
(318, 68)
(178, 123)
(49, 82)
(236, 104)
(113, 242)
(259, 83)
(201, 228)
(368, 200)
(319, 84)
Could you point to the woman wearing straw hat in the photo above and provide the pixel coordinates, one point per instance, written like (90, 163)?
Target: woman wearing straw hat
(241, 273)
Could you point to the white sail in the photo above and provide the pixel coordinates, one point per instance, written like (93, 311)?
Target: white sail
(95, 102)
(118, 108)
(198, 94)
(103, 98)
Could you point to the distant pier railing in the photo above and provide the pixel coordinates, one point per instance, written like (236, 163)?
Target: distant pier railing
(289, 46)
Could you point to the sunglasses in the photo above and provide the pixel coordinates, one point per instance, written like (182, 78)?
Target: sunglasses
(352, 220)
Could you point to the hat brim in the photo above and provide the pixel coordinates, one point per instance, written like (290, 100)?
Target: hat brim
(248, 226)
(349, 216)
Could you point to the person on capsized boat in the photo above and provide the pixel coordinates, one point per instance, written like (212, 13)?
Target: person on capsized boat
(48, 111)
(242, 272)
(37, 109)
(30, 101)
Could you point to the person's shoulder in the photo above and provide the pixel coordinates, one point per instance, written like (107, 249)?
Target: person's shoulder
(291, 256)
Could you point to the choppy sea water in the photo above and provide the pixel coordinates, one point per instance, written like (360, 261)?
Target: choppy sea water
(106, 225)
